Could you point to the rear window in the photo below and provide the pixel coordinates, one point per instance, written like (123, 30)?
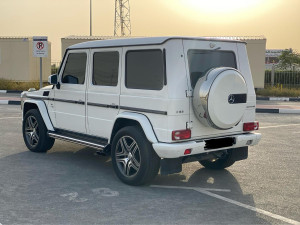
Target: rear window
(145, 69)
(201, 61)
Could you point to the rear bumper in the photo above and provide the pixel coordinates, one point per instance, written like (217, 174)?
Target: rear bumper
(176, 150)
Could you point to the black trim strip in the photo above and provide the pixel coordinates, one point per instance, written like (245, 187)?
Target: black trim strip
(165, 66)
(144, 110)
(57, 100)
(39, 97)
(68, 101)
(103, 105)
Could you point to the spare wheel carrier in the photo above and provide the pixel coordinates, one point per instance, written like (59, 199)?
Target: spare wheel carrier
(220, 97)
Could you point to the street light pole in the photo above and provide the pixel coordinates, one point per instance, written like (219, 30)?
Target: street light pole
(90, 17)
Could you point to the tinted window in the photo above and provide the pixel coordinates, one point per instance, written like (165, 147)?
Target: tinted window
(200, 62)
(74, 72)
(145, 69)
(106, 67)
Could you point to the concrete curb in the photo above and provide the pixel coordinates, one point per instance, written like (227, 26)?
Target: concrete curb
(10, 91)
(9, 102)
(278, 99)
(282, 111)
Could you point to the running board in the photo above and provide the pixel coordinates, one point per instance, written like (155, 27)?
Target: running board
(76, 141)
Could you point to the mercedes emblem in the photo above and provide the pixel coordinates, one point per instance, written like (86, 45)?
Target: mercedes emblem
(231, 99)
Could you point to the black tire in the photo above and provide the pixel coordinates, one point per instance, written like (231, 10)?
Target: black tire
(137, 163)
(35, 132)
(220, 163)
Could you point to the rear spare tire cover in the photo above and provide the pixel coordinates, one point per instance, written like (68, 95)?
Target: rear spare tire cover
(220, 97)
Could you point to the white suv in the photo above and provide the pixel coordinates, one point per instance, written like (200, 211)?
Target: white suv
(152, 103)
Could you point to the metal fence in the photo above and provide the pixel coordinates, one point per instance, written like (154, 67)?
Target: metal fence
(282, 78)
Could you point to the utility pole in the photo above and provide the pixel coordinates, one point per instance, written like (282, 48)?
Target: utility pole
(122, 25)
(91, 34)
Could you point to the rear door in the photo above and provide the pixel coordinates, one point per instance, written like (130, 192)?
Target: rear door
(144, 85)
(103, 95)
(201, 56)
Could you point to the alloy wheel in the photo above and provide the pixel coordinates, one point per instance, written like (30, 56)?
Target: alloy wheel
(32, 131)
(128, 156)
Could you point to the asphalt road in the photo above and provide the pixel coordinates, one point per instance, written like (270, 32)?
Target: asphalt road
(72, 185)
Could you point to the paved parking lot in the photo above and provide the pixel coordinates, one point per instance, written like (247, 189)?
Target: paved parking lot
(72, 185)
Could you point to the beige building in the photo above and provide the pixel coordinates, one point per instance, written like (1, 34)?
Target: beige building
(17, 61)
(256, 48)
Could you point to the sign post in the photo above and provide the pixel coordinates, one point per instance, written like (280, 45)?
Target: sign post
(40, 49)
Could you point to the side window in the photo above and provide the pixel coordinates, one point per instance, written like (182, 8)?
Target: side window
(145, 69)
(74, 71)
(201, 61)
(106, 68)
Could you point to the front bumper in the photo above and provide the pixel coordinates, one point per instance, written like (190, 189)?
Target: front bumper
(176, 150)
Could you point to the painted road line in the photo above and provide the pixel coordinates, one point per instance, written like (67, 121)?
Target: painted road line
(3, 102)
(10, 91)
(279, 110)
(257, 210)
(10, 118)
(278, 99)
(292, 99)
(287, 125)
(296, 111)
(10, 102)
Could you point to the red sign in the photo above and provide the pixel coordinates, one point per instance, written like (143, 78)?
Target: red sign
(40, 45)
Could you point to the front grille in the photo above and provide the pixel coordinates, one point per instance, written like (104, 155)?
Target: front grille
(219, 143)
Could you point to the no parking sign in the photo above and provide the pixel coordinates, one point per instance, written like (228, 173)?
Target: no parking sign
(40, 46)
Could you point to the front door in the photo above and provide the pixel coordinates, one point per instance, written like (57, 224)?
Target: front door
(70, 97)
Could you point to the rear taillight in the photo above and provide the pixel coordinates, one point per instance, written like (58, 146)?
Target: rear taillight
(181, 134)
(251, 126)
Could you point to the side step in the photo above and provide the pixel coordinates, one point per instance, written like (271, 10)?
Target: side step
(75, 140)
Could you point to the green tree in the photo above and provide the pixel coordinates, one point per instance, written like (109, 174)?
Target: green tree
(289, 59)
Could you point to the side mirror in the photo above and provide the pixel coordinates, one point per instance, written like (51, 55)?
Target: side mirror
(52, 79)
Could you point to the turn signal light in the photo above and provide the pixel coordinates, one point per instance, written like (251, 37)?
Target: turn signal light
(251, 126)
(181, 134)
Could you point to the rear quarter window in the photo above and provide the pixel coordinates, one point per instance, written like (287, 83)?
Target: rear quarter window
(145, 69)
(201, 61)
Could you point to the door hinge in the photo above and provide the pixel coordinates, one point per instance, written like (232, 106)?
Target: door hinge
(189, 93)
(189, 125)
